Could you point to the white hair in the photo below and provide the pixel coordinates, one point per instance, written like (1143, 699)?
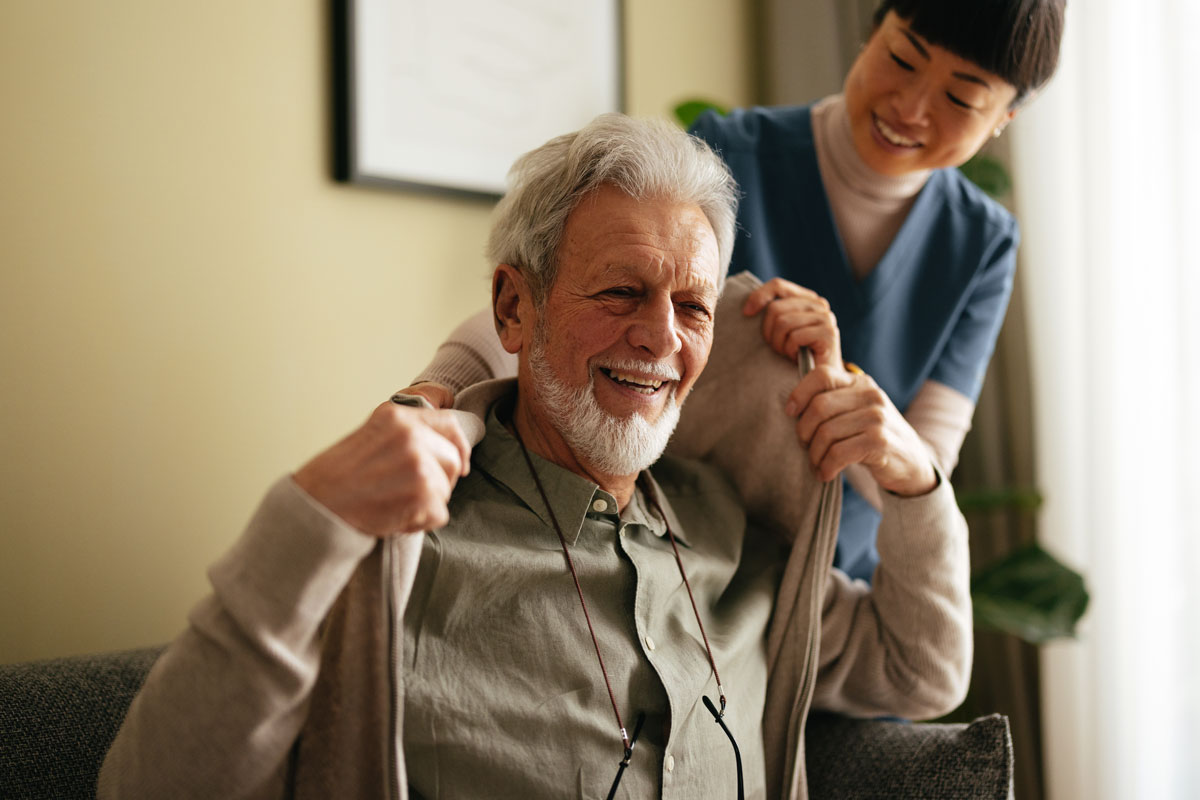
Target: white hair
(644, 158)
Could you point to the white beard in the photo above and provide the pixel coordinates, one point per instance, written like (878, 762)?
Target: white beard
(609, 444)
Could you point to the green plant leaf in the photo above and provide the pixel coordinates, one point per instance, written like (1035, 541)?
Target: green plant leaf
(1029, 594)
(687, 111)
(988, 174)
(999, 499)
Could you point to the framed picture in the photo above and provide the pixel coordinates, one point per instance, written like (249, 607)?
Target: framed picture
(446, 94)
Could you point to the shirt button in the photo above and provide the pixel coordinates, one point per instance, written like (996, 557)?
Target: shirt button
(649, 643)
(599, 505)
(670, 763)
(621, 533)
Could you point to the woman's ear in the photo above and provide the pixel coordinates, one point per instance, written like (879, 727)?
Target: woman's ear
(512, 307)
(1005, 119)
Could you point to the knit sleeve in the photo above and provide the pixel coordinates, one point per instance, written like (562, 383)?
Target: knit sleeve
(471, 355)
(902, 645)
(221, 709)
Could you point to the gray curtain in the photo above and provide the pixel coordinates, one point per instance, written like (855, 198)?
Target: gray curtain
(807, 46)
(998, 454)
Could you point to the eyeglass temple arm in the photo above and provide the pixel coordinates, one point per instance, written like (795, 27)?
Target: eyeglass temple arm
(637, 729)
(737, 754)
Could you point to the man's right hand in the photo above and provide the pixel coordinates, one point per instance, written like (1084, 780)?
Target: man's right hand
(394, 474)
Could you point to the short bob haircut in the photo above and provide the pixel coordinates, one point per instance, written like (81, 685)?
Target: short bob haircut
(1015, 39)
(645, 158)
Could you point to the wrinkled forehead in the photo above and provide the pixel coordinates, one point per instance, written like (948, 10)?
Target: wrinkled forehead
(609, 230)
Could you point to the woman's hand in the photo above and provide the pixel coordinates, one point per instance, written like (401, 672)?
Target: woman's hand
(844, 418)
(796, 317)
(439, 396)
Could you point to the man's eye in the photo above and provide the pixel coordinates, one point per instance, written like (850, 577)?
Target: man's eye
(699, 309)
(903, 64)
(619, 291)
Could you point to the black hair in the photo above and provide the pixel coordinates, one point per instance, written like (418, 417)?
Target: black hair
(1015, 39)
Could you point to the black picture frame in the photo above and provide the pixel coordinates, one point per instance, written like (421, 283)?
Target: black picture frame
(442, 96)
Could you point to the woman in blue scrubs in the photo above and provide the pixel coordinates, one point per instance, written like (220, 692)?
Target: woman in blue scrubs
(857, 199)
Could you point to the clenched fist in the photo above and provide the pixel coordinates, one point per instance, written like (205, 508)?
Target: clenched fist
(394, 474)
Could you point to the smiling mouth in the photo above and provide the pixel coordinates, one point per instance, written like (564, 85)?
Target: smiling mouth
(892, 135)
(646, 386)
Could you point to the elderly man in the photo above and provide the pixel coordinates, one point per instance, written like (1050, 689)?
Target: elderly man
(580, 610)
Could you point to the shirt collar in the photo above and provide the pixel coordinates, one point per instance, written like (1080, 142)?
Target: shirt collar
(571, 496)
(642, 510)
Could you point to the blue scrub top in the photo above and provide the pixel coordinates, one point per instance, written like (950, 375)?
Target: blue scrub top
(930, 310)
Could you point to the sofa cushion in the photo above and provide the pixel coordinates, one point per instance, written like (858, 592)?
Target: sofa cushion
(58, 718)
(896, 759)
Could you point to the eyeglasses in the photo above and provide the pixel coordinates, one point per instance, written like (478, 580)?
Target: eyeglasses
(717, 716)
(652, 495)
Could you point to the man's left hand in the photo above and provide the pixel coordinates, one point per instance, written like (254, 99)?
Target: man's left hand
(844, 418)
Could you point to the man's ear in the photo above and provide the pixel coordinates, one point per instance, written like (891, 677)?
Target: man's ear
(512, 307)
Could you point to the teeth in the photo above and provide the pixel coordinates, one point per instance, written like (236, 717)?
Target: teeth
(892, 136)
(636, 383)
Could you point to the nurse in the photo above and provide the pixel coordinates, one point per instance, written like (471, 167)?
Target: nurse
(856, 198)
(852, 205)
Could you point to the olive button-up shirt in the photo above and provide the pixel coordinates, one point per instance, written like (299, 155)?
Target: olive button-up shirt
(504, 694)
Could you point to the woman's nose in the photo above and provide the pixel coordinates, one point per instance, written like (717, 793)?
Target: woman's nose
(912, 103)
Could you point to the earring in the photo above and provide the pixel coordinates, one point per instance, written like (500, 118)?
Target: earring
(996, 133)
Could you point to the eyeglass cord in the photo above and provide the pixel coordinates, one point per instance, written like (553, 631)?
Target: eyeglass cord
(612, 698)
(627, 742)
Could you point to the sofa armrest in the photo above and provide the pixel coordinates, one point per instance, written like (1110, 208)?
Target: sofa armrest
(868, 759)
(58, 718)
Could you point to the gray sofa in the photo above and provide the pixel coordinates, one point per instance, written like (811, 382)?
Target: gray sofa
(58, 717)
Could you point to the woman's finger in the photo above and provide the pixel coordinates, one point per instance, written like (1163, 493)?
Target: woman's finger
(812, 315)
(820, 380)
(774, 289)
(845, 438)
(824, 344)
(842, 454)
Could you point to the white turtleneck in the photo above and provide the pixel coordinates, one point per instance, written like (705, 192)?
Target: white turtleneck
(868, 208)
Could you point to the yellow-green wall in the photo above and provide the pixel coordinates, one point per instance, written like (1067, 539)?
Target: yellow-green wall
(190, 307)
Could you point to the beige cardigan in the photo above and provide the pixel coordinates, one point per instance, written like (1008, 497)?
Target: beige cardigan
(288, 680)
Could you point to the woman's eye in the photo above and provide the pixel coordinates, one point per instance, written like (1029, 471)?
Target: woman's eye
(957, 101)
(903, 64)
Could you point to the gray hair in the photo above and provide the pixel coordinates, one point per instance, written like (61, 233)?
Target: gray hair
(644, 158)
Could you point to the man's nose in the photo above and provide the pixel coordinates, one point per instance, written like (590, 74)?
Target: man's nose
(654, 330)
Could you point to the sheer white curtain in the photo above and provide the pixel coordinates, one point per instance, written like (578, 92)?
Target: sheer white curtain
(1108, 174)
